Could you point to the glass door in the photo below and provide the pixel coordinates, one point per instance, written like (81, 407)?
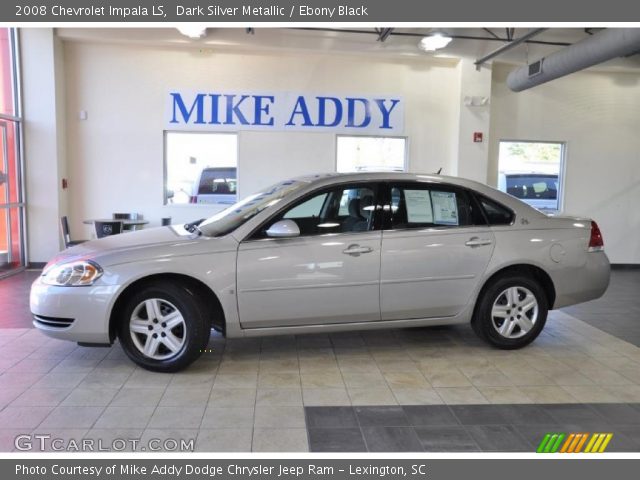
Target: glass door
(11, 206)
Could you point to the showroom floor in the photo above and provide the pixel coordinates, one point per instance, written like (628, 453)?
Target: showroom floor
(434, 389)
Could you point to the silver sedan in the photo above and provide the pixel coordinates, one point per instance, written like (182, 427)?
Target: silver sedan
(326, 253)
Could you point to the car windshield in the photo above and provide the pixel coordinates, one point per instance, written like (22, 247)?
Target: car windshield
(231, 218)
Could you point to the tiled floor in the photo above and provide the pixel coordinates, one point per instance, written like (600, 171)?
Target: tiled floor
(262, 394)
(461, 428)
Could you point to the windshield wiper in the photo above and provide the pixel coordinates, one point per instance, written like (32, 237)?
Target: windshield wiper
(192, 227)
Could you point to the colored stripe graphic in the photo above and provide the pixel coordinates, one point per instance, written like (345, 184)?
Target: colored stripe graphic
(574, 443)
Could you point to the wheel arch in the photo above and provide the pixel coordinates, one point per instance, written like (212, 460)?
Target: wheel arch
(527, 269)
(215, 313)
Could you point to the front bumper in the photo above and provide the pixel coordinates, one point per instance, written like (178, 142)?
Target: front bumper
(78, 314)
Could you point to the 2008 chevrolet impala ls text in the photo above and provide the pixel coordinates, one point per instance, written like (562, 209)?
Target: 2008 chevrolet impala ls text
(326, 253)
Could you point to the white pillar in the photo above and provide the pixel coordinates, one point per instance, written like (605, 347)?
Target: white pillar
(473, 157)
(44, 142)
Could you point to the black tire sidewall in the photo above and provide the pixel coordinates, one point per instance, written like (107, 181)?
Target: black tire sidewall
(482, 323)
(189, 305)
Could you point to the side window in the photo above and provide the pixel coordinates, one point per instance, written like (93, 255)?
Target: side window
(496, 213)
(340, 210)
(423, 206)
(310, 208)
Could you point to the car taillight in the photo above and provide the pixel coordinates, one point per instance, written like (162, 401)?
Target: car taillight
(193, 199)
(596, 243)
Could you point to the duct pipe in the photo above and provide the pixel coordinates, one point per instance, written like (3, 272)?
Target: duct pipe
(603, 46)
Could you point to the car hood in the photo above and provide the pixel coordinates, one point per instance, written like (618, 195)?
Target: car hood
(150, 243)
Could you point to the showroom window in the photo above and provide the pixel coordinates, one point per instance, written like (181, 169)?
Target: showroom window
(201, 168)
(532, 172)
(12, 257)
(370, 154)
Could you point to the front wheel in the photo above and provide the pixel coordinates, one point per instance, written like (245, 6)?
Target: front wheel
(511, 312)
(163, 327)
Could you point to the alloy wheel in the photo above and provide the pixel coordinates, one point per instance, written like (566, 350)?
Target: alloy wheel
(158, 329)
(514, 312)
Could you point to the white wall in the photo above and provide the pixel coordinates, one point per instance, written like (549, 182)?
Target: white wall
(598, 115)
(116, 156)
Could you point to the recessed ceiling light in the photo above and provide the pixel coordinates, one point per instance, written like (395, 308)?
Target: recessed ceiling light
(192, 30)
(434, 42)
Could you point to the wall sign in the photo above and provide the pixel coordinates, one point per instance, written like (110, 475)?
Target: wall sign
(213, 111)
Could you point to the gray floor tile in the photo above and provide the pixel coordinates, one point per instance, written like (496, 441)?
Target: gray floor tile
(446, 439)
(573, 413)
(391, 439)
(498, 438)
(423, 415)
(379, 416)
(479, 414)
(336, 440)
(330, 417)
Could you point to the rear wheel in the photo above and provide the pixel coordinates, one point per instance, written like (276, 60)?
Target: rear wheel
(511, 312)
(164, 327)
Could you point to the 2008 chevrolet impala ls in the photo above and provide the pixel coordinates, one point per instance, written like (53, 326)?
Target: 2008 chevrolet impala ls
(326, 253)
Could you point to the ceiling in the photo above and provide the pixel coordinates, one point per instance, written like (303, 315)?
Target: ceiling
(402, 42)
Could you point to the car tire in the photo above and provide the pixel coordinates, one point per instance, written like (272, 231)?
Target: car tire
(164, 327)
(511, 312)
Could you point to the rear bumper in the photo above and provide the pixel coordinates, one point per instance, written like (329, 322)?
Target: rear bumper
(78, 314)
(585, 283)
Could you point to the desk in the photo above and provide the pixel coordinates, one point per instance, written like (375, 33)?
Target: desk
(126, 223)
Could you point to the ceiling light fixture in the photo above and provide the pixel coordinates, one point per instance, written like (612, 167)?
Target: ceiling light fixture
(434, 42)
(192, 30)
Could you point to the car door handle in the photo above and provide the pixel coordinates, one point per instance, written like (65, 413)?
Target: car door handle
(356, 250)
(477, 242)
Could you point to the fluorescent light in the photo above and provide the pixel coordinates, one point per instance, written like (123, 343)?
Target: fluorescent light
(192, 30)
(433, 42)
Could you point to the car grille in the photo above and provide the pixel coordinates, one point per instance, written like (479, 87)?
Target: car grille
(53, 322)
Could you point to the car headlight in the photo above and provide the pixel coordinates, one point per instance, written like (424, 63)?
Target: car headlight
(73, 274)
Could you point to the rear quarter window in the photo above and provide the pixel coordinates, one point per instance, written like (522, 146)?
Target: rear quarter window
(496, 213)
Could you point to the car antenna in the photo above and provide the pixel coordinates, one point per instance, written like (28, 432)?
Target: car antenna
(439, 170)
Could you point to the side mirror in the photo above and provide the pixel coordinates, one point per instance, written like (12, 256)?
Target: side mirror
(284, 229)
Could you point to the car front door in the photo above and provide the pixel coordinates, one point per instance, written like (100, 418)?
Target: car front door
(435, 247)
(330, 273)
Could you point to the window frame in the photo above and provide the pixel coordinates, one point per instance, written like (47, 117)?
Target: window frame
(405, 162)
(386, 202)
(375, 185)
(165, 173)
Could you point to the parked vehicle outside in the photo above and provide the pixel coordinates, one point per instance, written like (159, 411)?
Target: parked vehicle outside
(326, 253)
(540, 190)
(215, 185)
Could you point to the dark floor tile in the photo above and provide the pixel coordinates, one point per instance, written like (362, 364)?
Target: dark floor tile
(446, 439)
(422, 415)
(498, 438)
(479, 414)
(617, 413)
(573, 413)
(631, 432)
(336, 440)
(326, 417)
(385, 416)
(533, 434)
(525, 414)
(623, 441)
(391, 439)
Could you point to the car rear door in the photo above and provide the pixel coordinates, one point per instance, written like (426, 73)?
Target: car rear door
(435, 247)
(328, 274)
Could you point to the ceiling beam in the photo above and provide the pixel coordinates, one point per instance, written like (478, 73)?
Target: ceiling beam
(384, 33)
(505, 48)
